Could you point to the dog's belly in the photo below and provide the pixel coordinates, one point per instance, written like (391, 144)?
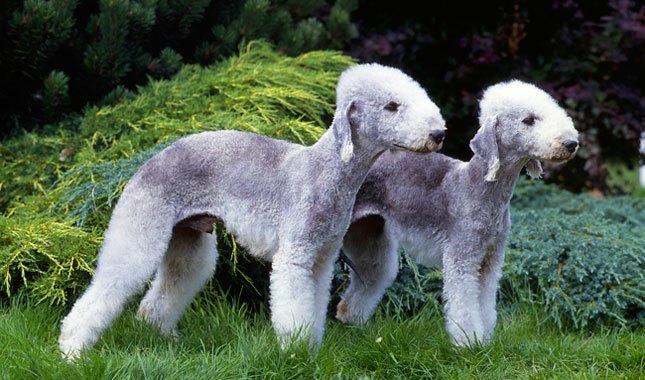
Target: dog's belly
(259, 239)
(423, 247)
(257, 232)
(254, 226)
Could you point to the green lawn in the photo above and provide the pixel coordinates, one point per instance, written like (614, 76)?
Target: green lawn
(221, 340)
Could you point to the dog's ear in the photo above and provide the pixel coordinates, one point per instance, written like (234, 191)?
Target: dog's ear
(534, 169)
(344, 119)
(484, 144)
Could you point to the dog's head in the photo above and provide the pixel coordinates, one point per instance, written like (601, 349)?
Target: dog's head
(382, 106)
(520, 120)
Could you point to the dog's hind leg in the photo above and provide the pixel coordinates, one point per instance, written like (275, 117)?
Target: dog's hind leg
(186, 267)
(373, 251)
(131, 252)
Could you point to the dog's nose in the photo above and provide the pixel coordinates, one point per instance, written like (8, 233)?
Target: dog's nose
(437, 136)
(571, 145)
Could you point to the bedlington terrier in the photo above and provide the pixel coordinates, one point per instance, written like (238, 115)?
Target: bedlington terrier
(452, 214)
(285, 203)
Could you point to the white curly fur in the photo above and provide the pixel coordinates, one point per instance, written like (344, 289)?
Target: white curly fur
(284, 202)
(453, 214)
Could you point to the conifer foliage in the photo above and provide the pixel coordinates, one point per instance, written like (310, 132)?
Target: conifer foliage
(57, 56)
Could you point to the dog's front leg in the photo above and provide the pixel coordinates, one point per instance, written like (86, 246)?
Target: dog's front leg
(293, 297)
(461, 290)
(490, 274)
(323, 273)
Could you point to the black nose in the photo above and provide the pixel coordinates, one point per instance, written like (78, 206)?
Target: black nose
(571, 145)
(438, 136)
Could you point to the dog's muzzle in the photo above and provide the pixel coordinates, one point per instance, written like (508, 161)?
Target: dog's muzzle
(566, 151)
(437, 136)
(571, 145)
(433, 143)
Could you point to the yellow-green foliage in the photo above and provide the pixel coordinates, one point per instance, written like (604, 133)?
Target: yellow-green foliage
(44, 254)
(259, 91)
(55, 211)
(29, 165)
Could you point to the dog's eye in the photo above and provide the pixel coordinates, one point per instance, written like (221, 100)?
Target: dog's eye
(529, 120)
(392, 106)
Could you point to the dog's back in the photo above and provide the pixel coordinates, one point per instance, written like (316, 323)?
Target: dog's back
(384, 193)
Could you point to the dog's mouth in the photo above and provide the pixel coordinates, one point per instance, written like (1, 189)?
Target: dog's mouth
(428, 148)
(557, 158)
(563, 151)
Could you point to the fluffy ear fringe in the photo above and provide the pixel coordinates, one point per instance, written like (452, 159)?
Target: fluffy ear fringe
(343, 132)
(534, 169)
(346, 151)
(493, 167)
(484, 144)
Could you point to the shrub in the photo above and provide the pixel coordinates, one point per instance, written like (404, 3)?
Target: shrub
(66, 199)
(62, 55)
(46, 256)
(585, 256)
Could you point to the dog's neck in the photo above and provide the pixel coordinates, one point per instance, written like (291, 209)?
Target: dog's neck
(501, 190)
(350, 174)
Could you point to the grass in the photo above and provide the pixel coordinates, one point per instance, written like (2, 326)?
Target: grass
(223, 339)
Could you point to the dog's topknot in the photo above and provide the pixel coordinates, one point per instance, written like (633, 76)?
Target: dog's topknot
(516, 94)
(372, 78)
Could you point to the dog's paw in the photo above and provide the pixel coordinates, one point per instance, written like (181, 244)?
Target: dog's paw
(342, 311)
(466, 336)
(352, 313)
(69, 348)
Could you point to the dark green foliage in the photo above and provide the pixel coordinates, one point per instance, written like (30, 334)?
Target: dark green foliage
(338, 23)
(105, 45)
(117, 30)
(180, 15)
(288, 23)
(624, 178)
(59, 185)
(168, 63)
(118, 94)
(585, 256)
(34, 34)
(55, 93)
